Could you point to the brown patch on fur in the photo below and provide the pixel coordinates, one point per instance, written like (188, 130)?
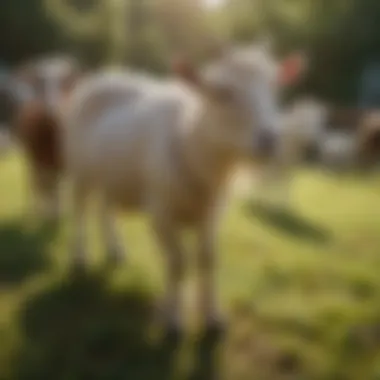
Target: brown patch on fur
(369, 137)
(39, 134)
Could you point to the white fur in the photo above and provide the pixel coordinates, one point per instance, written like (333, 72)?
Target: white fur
(303, 124)
(53, 71)
(167, 148)
(339, 149)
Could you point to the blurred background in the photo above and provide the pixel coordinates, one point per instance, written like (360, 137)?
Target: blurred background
(301, 287)
(342, 37)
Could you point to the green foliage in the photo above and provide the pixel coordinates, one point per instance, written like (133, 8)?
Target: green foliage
(26, 30)
(103, 20)
(340, 36)
(76, 22)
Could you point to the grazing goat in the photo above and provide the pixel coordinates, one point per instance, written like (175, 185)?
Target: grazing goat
(340, 137)
(168, 148)
(37, 91)
(304, 123)
(350, 138)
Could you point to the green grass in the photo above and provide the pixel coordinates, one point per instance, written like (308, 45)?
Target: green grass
(302, 292)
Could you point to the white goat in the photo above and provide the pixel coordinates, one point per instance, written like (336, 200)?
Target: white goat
(304, 124)
(339, 149)
(168, 148)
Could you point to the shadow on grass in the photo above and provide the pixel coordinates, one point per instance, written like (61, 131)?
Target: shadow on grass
(23, 252)
(290, 223)
(205, 362)
(81, 329)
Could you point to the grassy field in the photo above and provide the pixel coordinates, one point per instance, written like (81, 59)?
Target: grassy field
(302, 292)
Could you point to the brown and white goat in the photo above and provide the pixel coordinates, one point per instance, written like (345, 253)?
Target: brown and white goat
(38, 90)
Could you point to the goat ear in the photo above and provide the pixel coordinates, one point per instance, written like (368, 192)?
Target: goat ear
(292, 68)
(183, 68)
